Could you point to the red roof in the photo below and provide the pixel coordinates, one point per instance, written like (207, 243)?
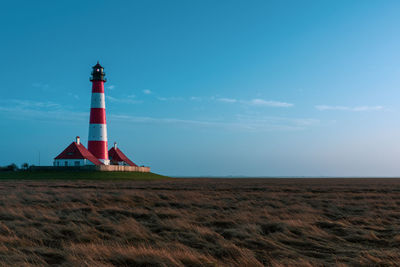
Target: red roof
(75, 151)
(116, 155)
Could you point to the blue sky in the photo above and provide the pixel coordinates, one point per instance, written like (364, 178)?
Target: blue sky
(254, 88)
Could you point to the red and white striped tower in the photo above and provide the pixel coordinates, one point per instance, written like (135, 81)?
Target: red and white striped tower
(97, 143)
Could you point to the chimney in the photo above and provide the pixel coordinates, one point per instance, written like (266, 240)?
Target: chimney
(115, 145)
(78, 140)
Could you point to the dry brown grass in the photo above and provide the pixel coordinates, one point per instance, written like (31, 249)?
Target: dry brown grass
(201, 222)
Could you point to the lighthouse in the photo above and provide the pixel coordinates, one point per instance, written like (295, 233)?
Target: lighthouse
(97, 156)
(97, 141)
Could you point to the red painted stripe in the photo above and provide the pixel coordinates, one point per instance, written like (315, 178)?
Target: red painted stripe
(98, 115)
(99, 149)
(97, 87)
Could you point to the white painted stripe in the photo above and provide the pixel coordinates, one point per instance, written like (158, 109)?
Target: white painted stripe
(98, 100)
(97, 132)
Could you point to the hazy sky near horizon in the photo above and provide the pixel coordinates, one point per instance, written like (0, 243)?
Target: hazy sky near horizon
(254, 88)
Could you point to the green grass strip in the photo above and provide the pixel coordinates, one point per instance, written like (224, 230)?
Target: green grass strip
(80, 175)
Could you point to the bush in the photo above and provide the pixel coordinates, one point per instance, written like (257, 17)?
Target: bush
(11, 167)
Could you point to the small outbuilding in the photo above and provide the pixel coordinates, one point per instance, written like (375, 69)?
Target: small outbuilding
(76, 154)
(118, 158)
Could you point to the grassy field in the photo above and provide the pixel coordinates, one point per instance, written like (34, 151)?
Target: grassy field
(201, 222)
(79, 175)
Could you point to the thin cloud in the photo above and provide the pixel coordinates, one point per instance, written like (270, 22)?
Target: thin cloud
(257, 122)
(269, 103)
(111, 87)
(49, 111)
(255, 102)
(347, 108)
(227, 100)
(40, 85)
(74, 96)
(162, 98)
(35, 110)
(172, 98)
(122, 100)
(33, 104)
(245, 123)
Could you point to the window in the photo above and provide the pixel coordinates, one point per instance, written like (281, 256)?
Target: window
(77, 163)
(66, 163)
(58, 163)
